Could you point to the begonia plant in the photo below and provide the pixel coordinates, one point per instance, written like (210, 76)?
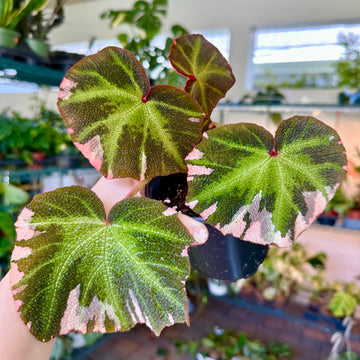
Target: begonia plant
(74, 268)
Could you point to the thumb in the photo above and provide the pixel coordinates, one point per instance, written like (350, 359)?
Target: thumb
(197, 229)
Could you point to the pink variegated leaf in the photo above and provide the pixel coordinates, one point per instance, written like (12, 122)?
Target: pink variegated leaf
(263, 189)
(75, 270)
(122, 125)
(209, 74)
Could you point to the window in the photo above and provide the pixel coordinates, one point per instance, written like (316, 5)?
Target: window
(219, 37)
(298, 56)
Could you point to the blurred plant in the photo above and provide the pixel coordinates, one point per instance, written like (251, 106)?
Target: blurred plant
(38, 25)
(51, 132)
(14, 137)
(348, 68)
(344, 299)
(146, 21)
(268, 91)
(348, 355)
(285, 270)
(7, 240)
(196, 289)
(65, 344)
(227, 344)
(20, 137)
(12, 12)
(339, 297)
(340, 203)
(12, 198)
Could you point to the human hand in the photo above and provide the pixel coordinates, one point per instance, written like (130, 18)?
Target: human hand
(112, 191)
(16, 342)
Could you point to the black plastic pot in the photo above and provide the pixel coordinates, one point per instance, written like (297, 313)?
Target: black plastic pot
(225, 257)
(222, 257)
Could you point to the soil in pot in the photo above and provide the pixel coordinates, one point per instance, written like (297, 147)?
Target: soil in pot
(222, 257)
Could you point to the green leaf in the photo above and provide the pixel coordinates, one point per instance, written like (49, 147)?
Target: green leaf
(13, 194)
(26, 8)
(122, 125)
(342, 304)
(210, 76)
(261, 189)
(7, 228)
(178, 30)
(75, 270)
(123, 39)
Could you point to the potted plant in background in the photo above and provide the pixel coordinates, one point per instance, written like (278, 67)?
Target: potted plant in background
(352, 216)
(36, 27)
(352, 219)
(12, 199)
(344, 208)
(348, 67)
(332, 302)
(7, 240)
(110, 272)
(344, 299)
(24, 140)
(146, 21)
(283, 273)
(14, 139)
(226, 344)
(12, 12)
(338, 206)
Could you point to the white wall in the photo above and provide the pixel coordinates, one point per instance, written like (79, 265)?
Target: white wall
(82, 21)
(28, 104)
(342, 247)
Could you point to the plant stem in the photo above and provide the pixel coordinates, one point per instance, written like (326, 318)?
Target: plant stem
(137, 188)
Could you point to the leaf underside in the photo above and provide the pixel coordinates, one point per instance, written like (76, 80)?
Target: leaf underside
(209, 74)
(261, 189)
(122, 125)
(73, 270)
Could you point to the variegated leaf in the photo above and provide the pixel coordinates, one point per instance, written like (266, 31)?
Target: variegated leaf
(262, 189)
(122, 125)
(75, 270)
(209, 74)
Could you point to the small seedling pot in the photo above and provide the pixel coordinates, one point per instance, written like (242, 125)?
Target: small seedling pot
(222, 257)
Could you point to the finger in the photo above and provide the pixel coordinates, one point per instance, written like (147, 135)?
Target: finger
(197, 229)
